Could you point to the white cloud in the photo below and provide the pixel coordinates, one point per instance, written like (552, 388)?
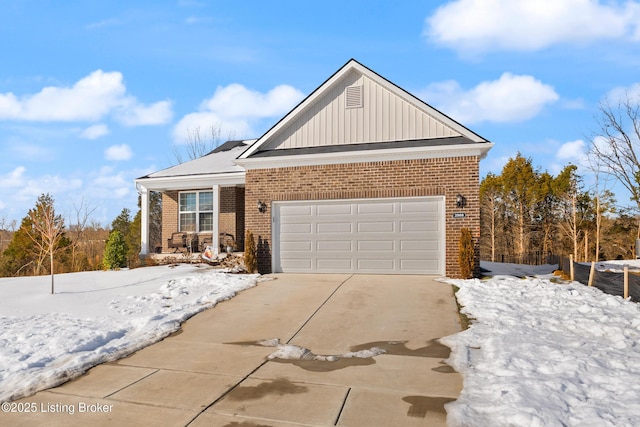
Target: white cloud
(13, 179)
(55, 185)
(624, 93)
(572, 151)
(511, 98)
(118, 152)
(91, 99)
(237, 110)
(141, 115)
(473, 26)
(110, 184)
(95, 131)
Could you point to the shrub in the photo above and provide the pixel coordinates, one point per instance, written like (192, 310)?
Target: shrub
(250, 256)
(467, 256)
(115, 251)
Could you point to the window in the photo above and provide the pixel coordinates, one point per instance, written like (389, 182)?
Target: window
(196, 211)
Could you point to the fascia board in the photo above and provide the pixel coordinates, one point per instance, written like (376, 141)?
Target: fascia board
(191, 181)
(392, 154)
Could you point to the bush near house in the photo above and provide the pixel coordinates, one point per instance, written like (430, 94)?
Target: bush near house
(250, 256)
(467, 254)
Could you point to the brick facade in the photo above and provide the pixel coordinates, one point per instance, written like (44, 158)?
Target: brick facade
(403, 178)
(230, 219)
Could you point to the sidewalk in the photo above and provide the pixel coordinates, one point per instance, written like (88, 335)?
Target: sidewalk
(213, 373)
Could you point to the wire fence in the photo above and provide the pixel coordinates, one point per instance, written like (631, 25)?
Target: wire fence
(624, 284)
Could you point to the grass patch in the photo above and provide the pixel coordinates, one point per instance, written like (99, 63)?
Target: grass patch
(465, 321)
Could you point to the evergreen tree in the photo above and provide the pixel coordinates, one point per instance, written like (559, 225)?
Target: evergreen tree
(520, 185)
(132, 240)
(20, 257)
(115, 252)
(122, 222)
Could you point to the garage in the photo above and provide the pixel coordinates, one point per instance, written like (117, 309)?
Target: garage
(381, 236)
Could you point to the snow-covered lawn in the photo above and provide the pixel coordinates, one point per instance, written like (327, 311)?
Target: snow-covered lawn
(96, 317)
(541, 353)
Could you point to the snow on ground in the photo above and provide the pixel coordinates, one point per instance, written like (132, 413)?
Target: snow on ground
(295, 352)
(617, 266)
(95, 317)
(541, 353)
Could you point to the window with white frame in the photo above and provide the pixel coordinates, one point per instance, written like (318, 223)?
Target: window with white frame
(196, 211)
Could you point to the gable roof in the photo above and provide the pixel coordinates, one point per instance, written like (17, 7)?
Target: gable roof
(386, 114)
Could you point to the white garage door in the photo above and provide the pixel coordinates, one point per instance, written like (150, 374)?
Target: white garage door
(393, 236)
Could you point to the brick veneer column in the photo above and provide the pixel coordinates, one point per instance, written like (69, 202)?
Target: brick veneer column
(169, 216)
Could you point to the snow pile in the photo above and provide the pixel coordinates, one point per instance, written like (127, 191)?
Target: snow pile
(96, 317)
(295, 352)
(545, 354)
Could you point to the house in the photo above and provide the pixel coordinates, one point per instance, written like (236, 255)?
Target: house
(361, 177)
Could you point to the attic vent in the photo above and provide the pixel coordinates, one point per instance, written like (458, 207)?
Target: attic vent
(353, 97)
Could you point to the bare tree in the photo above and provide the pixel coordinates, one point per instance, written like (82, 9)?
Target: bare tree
(615, 146)
(198, 143)
(491, 207)
(48, 229)
(83, 213)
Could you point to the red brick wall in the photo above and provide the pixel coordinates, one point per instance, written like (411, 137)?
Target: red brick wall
(404, 178)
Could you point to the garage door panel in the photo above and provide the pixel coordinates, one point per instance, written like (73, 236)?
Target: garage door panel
(419, 245)
(304, 228)
(294, 210)
(334, 245)
(417, 226)
(293, 246)
(376, 264)
(376, 245)
(334, 209)
(375, 208)
(334, 227)
(414, 265)
(419, 208)
(376, 227)
(391, 236)
(293, 264)
(334, 264)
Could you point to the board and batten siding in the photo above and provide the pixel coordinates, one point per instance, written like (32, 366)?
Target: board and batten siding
(384, 116)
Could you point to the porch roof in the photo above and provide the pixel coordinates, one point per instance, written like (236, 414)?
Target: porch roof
(216, 167)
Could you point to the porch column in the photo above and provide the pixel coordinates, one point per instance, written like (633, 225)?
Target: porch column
(215, 238)
(144, 220)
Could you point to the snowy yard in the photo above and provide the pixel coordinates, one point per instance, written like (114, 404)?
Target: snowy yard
(96, 317)
(541, 353)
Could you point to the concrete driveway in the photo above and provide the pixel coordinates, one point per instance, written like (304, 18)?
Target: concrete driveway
(214, 373)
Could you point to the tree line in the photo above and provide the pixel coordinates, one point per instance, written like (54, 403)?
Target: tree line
(528, 214)
(44, 244)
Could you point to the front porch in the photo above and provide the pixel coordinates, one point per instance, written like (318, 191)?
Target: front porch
(202, 204)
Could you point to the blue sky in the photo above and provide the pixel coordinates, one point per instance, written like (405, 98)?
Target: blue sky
(95, 94)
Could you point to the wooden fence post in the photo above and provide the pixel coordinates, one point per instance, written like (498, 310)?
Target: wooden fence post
(626, 281)
(591, 273)
(571, 267)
